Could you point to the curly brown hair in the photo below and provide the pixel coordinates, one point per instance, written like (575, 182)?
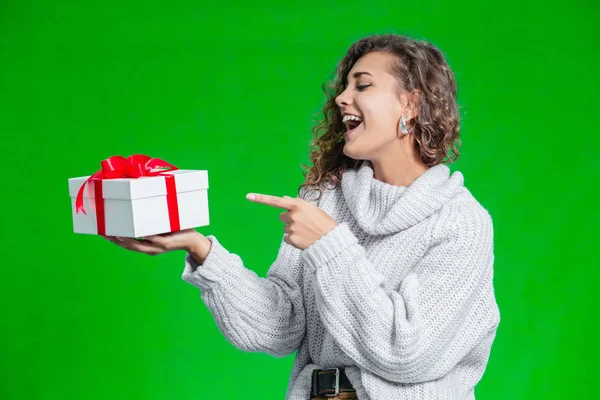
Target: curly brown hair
(418, 66)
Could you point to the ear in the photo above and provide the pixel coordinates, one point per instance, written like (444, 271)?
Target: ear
(414, 101)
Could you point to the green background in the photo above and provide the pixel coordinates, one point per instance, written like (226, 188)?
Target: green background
(234, 89)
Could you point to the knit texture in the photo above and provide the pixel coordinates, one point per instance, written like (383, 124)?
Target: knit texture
(400, 293)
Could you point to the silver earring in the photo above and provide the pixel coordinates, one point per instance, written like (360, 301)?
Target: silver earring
(403, 126)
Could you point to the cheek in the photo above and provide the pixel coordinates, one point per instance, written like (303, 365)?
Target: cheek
(382, 112)
(381, 121)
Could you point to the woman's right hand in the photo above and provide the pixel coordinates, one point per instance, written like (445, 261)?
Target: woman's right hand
(189, 240)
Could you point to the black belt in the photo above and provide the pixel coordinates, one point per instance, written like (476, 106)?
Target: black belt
(330, 382)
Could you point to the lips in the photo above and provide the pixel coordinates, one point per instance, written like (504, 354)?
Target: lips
(353, 130)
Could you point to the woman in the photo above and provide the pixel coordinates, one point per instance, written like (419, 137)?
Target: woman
(383, 282)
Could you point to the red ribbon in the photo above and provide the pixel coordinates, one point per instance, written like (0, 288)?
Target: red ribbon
(134, 166)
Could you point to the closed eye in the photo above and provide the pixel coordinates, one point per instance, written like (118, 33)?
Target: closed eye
(362, 87)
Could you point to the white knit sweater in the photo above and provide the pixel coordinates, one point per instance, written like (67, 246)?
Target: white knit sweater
(400, 292)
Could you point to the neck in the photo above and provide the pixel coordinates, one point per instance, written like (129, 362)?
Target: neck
(397, 170)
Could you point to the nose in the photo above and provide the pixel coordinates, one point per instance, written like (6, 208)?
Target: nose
(343, 100)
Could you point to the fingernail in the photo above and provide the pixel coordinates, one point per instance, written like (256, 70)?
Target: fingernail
(250, 196)
(287, 197)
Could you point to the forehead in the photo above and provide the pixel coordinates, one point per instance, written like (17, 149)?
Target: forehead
(377, 63)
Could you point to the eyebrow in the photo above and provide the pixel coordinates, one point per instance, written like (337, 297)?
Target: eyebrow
(357, 74)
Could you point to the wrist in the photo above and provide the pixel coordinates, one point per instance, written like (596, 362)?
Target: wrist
(199, 248)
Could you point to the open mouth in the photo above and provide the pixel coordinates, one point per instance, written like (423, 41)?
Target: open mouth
(352, 125)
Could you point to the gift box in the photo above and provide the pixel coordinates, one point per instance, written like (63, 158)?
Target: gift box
(136, 196)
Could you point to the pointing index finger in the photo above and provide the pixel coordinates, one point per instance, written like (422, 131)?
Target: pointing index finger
(269, 200)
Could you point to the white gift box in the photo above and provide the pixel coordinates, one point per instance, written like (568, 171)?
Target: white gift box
(138, 207)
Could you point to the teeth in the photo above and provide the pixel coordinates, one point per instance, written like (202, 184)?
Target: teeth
(348, 117)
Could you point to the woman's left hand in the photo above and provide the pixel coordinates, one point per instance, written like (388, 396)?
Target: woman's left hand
(305, 222)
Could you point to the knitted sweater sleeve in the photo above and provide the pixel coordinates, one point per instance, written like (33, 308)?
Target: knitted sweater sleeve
(436, 318)
(255, 314)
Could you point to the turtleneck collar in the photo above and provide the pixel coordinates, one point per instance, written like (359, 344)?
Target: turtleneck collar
(381, 208)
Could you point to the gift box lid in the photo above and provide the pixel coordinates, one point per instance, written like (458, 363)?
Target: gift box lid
(186, 180)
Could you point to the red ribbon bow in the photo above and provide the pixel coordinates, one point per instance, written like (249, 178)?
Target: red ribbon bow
(134, 166)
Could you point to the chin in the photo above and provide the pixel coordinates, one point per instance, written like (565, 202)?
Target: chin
(355, 155)
(346, 150)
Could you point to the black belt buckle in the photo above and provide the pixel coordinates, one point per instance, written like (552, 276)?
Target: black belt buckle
(323, 382)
